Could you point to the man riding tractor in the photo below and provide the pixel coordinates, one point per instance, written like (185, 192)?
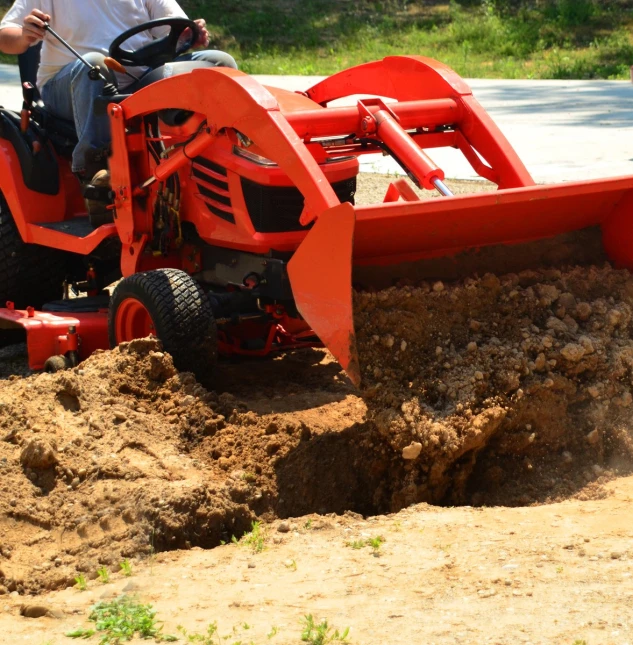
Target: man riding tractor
(67, 89)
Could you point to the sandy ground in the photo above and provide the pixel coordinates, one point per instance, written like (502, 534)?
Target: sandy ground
(124, 458)
(548, 574)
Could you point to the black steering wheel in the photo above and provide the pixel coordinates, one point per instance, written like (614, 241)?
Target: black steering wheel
(160, 51)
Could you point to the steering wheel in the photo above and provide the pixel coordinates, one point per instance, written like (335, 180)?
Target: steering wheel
(160, 51)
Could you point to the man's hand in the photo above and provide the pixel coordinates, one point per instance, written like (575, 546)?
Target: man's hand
(203, 34)
(33, 26)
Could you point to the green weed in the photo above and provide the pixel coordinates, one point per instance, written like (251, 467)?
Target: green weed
(322, 633)
(81, 583)
(104, 575)
(255, 538)
(126, 568)
(374, 543)
(121, 620)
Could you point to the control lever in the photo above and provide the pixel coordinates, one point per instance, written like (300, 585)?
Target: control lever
(94, 71)
(115, 66)
(28, 97)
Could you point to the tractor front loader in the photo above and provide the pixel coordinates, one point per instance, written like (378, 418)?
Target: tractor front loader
(234, 220)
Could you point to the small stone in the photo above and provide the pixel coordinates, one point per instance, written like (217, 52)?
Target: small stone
(593, 437)
(540, 363)
(34, 611)
(583, 311)
(573, 352)
(403, 345)
(251, 565)
(616, 555)
(479, 376)
(474, 325)
(567, 457)
(593, 391)
(487, 593)
(472, 346)
(438, 351)
(412, 451)
(598, 470)
(388, 341)
(283, 527)
(438, 286)
(39, 453)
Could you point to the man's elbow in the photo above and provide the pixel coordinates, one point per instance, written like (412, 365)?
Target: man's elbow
(12, 41)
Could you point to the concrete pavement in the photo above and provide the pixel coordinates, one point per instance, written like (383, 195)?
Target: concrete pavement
(562, 130)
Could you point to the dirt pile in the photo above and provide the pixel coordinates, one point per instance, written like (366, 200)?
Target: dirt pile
(94, 470)
(501, 390)
(123, 456)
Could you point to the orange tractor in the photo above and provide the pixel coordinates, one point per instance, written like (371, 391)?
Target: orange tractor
(233, 219)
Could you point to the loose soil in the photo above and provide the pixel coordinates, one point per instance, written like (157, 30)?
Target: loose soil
(499, 390)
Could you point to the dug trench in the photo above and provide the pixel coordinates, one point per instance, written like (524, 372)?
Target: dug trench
(495, 390)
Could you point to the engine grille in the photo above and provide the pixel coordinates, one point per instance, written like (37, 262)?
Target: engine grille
(275, 209)
(213, 188)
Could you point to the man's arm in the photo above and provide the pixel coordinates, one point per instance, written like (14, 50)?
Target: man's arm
(16, 38)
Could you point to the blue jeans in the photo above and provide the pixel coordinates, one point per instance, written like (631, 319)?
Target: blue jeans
(70, 95)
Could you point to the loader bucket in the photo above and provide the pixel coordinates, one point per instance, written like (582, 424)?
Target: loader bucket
(377, 245)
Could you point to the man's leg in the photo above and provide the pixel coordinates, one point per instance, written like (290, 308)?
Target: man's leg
(70, 94)
(213, 56)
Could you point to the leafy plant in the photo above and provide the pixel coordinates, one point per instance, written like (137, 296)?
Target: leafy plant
(81, 583)
(374, 543)
(126, 568)
(322, 633)
(210, 637)
(104, 575)
(120, 620)
(254, 538)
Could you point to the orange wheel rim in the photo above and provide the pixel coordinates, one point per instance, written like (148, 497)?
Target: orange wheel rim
(132, 320)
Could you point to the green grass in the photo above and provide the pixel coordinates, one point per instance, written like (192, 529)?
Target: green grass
(478, 38)
(120, 620)
(374, 543)
(126, 568)
(255, 538)
(322, 633)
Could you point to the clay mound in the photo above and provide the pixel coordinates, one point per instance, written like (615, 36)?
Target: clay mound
(501, 390)
(123, 456)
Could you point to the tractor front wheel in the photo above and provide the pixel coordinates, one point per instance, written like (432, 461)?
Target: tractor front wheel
(168, 304)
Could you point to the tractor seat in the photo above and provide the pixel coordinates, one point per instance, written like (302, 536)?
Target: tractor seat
(60, 132)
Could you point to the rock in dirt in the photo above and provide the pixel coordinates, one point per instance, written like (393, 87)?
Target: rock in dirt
(412, 451)
(39, 453)
(39, 611)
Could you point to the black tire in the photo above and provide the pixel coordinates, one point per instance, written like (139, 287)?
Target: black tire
(30, 275)
(181, 314)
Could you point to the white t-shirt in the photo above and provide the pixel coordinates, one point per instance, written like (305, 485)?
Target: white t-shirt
(88, 26)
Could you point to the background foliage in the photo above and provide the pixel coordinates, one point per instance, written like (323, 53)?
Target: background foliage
(478, 38)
